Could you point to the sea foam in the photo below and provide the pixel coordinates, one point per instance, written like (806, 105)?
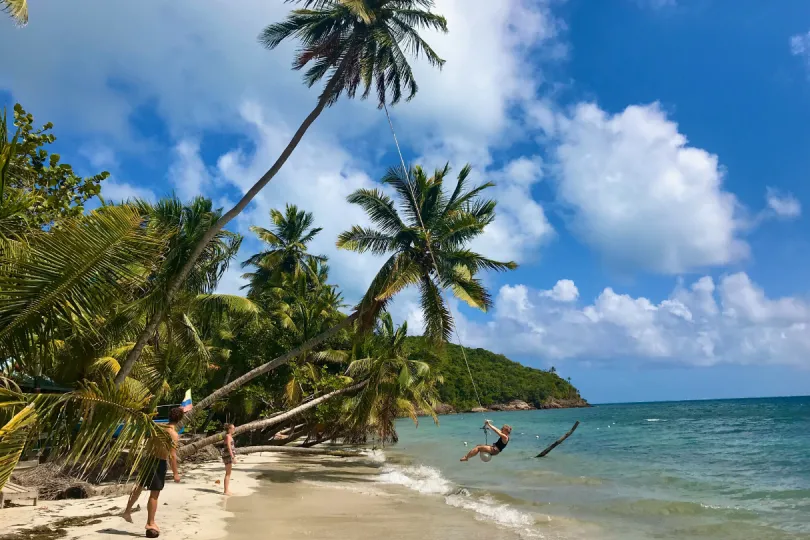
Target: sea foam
(429, 480)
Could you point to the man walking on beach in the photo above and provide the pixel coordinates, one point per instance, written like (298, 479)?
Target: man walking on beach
(155, 483)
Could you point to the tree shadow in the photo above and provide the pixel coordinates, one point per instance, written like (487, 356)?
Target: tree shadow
(207, 490)
(118, 532)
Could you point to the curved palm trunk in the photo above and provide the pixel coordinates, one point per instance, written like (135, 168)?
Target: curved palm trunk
(174, 284)
(299, 450)
(265, 368)
(191, 448)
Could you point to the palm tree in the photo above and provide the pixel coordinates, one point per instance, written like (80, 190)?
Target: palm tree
(185, 226)
(288, 240)
(17, 9)
(398, 385)
(451, 222)
(350, 44)
(426, 243)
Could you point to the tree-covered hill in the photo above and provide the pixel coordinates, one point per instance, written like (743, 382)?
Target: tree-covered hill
(499, 379)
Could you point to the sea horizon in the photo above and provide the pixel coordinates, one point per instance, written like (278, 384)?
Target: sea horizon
(792, 396)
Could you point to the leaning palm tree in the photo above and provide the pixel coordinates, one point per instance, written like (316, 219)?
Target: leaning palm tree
(416, 253)
(349, 44)
(292, 231)
(184, 225)
(399, 384)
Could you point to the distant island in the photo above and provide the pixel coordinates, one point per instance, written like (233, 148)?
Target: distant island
(503, 384)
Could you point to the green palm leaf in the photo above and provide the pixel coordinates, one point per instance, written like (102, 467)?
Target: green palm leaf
(50, 283)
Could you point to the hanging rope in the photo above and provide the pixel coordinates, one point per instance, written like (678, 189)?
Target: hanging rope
(433, 258)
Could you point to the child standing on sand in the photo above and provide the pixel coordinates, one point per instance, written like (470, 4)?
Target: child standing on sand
(156, 482)
(228, 456)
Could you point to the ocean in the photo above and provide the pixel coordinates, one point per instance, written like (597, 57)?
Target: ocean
(692, 470)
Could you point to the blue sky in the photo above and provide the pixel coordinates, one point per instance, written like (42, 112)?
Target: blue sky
(651, 158)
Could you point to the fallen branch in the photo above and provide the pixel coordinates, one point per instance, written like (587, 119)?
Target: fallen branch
(558, 442)
(298, 450)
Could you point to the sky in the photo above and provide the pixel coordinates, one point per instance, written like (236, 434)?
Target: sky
(650, 159)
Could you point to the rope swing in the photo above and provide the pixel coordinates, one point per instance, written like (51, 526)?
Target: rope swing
(484, 455)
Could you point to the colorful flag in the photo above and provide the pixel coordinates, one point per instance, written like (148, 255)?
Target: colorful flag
(186, 405)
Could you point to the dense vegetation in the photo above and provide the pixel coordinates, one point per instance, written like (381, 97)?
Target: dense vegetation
(499, 379)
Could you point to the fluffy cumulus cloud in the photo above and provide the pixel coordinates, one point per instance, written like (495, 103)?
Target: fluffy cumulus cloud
(563, 291)
(641, 196)
(732, 322)
(317, 178)
(520, 225)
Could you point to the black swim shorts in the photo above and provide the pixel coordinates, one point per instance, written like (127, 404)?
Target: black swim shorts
(158, 479)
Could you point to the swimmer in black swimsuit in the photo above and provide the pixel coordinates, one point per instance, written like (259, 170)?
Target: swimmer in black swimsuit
(494, 449)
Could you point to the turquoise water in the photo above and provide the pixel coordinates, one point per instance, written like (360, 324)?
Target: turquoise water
(730, 469)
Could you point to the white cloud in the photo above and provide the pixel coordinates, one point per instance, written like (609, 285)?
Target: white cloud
(734, 323)
(100, 157)
(784, 205)
(800, 44)
(641, 196)
(116, 191)
(188, 172)
(318, 177)
(520, 225)
(563, 291)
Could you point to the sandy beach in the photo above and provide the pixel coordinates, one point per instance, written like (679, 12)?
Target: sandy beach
(319, 497)
(194, 508)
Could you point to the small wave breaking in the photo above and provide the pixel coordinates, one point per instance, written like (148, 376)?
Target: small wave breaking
(429, 480)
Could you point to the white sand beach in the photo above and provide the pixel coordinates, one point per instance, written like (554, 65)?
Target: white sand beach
(194, 508)
(292, 496)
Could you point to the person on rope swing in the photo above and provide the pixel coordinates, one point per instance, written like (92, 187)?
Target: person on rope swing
(493, 449)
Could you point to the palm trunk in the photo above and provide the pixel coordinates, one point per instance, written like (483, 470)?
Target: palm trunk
(211, 413)
(191, 448)
(177, 281)
(298, 450)
(265, 368)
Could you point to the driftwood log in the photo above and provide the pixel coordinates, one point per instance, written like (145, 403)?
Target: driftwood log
(297, 450)
(559, 441)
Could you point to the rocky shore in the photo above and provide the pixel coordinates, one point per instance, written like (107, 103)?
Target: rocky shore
(517, 405)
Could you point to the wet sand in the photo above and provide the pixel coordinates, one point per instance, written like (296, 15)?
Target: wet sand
(335, 498)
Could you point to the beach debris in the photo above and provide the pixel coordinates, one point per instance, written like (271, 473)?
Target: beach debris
(559, 441)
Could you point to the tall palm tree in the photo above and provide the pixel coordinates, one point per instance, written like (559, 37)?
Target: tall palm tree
(451, 221)
(398, 384)
(292, 231)
(349, 43)
(185, 226)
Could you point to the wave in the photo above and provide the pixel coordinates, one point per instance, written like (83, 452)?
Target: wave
(429, 480)
(655, 420)
(659, 507)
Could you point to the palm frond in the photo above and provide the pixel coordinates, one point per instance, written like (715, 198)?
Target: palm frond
(17, 9)
(52, 283)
